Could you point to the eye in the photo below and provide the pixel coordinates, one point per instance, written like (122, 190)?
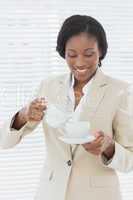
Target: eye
(89, 55)
(71, 55)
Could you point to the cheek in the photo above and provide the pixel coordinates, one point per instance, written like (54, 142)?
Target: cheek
(94, 60)
(70, 62)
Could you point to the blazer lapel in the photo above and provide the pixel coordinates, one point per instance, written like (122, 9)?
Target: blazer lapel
(97, 92)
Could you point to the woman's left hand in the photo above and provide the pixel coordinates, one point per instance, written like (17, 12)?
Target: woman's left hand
(102, 144)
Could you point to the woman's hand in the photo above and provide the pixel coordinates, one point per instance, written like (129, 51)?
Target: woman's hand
(33, 112)
(102, 144)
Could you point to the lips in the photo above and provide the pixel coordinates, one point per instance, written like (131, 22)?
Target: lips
(81, 70)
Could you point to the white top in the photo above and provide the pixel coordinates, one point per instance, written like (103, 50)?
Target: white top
(71, 97)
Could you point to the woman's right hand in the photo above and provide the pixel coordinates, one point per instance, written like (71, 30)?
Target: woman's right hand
(35, 110)
(32, 112)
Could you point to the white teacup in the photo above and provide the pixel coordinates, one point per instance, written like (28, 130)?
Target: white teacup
(77, 129)
(55, 115)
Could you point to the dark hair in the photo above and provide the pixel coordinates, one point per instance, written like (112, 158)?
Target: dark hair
(77, 24)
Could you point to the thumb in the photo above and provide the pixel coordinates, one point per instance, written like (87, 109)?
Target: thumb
(98, 134)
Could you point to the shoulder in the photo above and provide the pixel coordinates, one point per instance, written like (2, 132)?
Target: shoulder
(52, 82)
(118, 91)
(55, 78)
(117, 84)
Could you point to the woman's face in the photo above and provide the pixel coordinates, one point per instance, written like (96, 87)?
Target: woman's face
(82, 56)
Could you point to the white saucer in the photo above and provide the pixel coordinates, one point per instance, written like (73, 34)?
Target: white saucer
(77, 140)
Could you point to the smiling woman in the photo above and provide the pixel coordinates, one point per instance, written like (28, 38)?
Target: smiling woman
(80, 170)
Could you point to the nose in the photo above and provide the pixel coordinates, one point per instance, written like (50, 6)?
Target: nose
(80, 62)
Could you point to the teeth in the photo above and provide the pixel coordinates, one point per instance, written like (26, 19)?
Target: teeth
(81, 70)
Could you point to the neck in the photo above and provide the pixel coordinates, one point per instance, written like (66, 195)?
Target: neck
(79, 84)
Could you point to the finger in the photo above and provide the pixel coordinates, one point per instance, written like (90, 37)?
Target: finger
(95, 151)
(38, 106)
(86, 145)
(98, 134)
(42, 101)
(39, 101)
(99, 142)
(36, 102)
(94, 145)
(36, 116)
(34, 111)
(98, 139)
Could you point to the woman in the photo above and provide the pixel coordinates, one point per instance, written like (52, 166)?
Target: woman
(86, 171)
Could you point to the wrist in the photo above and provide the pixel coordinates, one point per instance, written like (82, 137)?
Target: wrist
(109, 151)
(22, 115)
(19, 119)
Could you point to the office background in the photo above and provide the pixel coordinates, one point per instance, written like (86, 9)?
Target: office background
(28, 31)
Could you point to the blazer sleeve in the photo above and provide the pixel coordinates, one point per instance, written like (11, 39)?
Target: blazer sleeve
(9, 137)
(123, 134)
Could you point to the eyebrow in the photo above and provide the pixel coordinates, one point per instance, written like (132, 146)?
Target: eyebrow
(84, 49)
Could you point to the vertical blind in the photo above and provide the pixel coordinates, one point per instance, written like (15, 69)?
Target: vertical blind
(28, 31)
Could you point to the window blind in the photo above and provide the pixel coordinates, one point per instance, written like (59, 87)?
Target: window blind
(28, 31)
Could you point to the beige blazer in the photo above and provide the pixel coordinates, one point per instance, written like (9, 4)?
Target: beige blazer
(85, 176)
